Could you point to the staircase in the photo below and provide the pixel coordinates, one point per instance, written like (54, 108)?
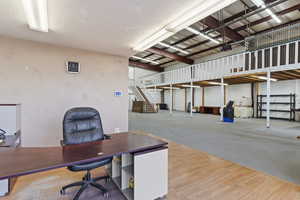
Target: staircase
(142, 103)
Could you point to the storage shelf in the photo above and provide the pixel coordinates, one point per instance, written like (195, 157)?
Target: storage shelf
(290, 101)
(272, 110)
(272, 103)
(278, 95)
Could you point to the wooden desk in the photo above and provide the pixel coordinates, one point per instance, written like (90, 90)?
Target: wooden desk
(138, 149)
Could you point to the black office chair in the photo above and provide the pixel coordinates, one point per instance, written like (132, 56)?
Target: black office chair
(83, 125)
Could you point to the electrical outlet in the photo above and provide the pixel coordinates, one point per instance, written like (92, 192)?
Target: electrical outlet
(117, 130)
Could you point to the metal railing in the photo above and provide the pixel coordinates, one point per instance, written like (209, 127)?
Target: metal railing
(276, 58)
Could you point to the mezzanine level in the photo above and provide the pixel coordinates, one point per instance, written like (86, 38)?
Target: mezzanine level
(282, 61)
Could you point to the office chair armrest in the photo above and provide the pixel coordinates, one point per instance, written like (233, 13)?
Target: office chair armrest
(107, 137)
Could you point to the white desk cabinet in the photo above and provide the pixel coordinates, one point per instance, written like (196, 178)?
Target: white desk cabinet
(142, 175)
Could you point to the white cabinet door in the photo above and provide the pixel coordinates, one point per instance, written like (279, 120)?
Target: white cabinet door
(4, 187)
(151, 175)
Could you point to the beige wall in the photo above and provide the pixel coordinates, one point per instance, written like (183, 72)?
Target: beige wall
(33, 74)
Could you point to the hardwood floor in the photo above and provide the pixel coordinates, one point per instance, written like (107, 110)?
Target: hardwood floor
(193, 175)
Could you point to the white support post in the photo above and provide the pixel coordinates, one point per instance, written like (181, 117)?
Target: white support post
(268, 97)
(222, 98)
(191, 106)
(171, 98)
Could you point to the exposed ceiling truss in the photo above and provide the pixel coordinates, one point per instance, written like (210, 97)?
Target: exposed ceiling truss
(234, 28)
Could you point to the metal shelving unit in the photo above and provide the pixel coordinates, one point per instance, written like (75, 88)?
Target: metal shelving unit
(290, 103)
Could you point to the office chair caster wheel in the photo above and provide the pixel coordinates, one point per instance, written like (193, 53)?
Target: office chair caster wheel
(106, 195)
(62, 192)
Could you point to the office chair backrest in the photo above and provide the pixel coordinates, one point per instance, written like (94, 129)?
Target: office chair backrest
(82, 124)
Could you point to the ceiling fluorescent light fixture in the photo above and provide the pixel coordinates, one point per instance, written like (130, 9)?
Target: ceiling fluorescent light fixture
(172, 47)
(263, 5)
(144, 59)
(173, 88)
(216, 83)
(202, 34)
(194, 13)
(188, 86)
(36, 14)
(265, 78)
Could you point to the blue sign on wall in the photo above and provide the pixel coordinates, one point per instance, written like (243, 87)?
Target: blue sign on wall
(118, 93)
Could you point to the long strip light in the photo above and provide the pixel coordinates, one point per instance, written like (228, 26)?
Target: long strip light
(193, 13)
(173, 88)
(263, 5)
(36, 14)
(189, 86)
(265, 78)
(172, 47)
(216, 83)
(144, 59)
(202, 34)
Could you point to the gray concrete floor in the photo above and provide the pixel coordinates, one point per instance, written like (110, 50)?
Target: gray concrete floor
(248, 142)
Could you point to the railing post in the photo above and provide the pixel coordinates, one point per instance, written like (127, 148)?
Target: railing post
(263, 58)
(279, 55)
(268, 97)
(287, 48)
(222, 98)
(191, 106)
(271, 56)
(171, 98)
(256, 59)
(250, 61)
(296, 51)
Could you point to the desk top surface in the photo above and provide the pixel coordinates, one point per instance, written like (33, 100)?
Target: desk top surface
(28, 160)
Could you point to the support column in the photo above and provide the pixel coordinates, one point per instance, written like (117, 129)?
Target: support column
(134, 77)
(171, 97)
(222, 97)
(268, 97)
(191, 106)
(185, 100)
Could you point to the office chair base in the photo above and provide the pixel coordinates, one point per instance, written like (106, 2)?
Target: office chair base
(87, 180)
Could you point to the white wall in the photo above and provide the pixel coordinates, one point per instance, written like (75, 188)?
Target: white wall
(198, 97)
(33, 74)
(167, 98)
(238, 93)
(179, 100)
(212, 96)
